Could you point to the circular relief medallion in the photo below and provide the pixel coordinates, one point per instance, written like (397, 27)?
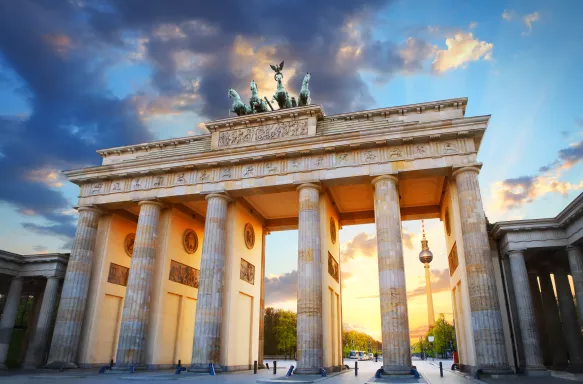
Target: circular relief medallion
(190, 241)
(128, 244)
(447, 223)
(249, 234)
(333, 230)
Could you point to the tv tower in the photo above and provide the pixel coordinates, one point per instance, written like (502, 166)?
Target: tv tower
(425, 256)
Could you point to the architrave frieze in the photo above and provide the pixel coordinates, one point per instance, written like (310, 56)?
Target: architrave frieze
(323, 165)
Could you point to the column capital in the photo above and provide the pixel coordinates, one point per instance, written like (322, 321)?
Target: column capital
(90, 208)
(572, 247)
(151, 202)
(309, 185)
(473, 168)
(392, 178)
(517, 252)
(219, 195)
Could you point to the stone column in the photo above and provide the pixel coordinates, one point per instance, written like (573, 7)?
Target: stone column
(524, 303)
(553, 322)
(309, 323)
(9, 317)
(576, 264)
(38, 345)
(539, 317)
(571, 328)
(486, 318)
(67, 331)
(262, 305)
(136, 307)
(392, 289)
(207, 327)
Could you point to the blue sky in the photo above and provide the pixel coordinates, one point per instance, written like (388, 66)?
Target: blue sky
(80, 76)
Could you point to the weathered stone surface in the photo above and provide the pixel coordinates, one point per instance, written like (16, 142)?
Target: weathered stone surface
(65, 342)
(262, 305)
(553, 322)
(9, 317)
(539, 315)
(524, 302)
(39, 342)
(392, 289)
(576, 264)
(207, 327)
(309, 323)
(136, 309)
(486, 318)
(570, 324)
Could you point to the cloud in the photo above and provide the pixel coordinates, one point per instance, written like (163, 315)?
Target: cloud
(461, 49)
(473, 25)
(439, 283)
(515, 192)
(281, 288)
(508, 15)
(529, 20)
(365, 245)
(40, 248)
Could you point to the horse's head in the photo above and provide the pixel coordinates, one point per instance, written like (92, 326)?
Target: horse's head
(232, 93)
(306, 79)
(253, 86)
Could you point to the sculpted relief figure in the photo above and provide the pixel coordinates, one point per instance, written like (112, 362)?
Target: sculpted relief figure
(304, 98)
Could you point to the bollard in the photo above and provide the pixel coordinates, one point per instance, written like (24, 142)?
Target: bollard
(290, 371)
(323, 372)
(266, 365)
(255, 367)
(179, 363)
(379, 373)
(356, 368)
(179, 369)
(415, 373)
(478, 373)
(132, 369)
(110, 363)
(211, 369)
(440, 369)
(274, 367)
(103, 369)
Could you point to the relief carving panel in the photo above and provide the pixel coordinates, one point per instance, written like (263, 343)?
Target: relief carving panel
(332, 267)
(266, 132)
(183, 274)
(118, 274)
(247, 272)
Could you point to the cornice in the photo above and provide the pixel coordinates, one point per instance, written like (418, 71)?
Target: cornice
(422, 132)
(38, 258)
(568, 214)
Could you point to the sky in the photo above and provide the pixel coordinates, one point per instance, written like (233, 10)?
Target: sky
(77, 76)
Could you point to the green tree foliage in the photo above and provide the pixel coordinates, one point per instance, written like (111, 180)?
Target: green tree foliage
(359, 341)
(444, 337)
(279, 331)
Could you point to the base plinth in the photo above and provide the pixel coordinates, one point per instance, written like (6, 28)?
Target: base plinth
(396, 370)
(204, 368)
(60, 365)
(307, 371)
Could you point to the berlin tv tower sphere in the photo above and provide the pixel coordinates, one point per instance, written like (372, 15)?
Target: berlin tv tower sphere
(425, 256)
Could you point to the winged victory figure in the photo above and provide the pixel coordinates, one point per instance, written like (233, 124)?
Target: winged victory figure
(277, 68)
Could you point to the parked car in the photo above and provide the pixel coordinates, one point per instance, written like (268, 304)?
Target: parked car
(370, 356)
(362, 356)
(353, 355)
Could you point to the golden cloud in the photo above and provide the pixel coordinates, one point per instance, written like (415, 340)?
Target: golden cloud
(461, 49)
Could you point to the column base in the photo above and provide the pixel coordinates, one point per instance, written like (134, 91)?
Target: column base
(204, 368)
(260, 366)
(396, 370)
(126, 368)
(60, 365)
(536, 371)
(307, 371)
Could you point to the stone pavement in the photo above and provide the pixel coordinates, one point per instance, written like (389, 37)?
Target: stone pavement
(428, 369)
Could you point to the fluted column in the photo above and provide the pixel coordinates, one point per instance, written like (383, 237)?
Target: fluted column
(262, 304)
(571, 328)
(136, 308)
(9, 317)
(392, 289)
(576, 264)
(553, 322)
(309, 322)
(37, 347)
(524, 303)
(539, 317)
(486, 318)
(67, 332)
(207, 327)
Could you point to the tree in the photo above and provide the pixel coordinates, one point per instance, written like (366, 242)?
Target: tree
(444, 334)
(285, 331)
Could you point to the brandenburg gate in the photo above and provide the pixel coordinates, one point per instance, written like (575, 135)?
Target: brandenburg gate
(169, 254)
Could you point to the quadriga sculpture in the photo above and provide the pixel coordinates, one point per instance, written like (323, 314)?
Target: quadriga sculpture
(304, 97)
(238, 106)
(255, 102)
(281, 95)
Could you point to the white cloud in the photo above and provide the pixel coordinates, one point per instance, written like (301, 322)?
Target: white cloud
(507, 15)
(473, 25)
(529, 20)
(461, 49)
